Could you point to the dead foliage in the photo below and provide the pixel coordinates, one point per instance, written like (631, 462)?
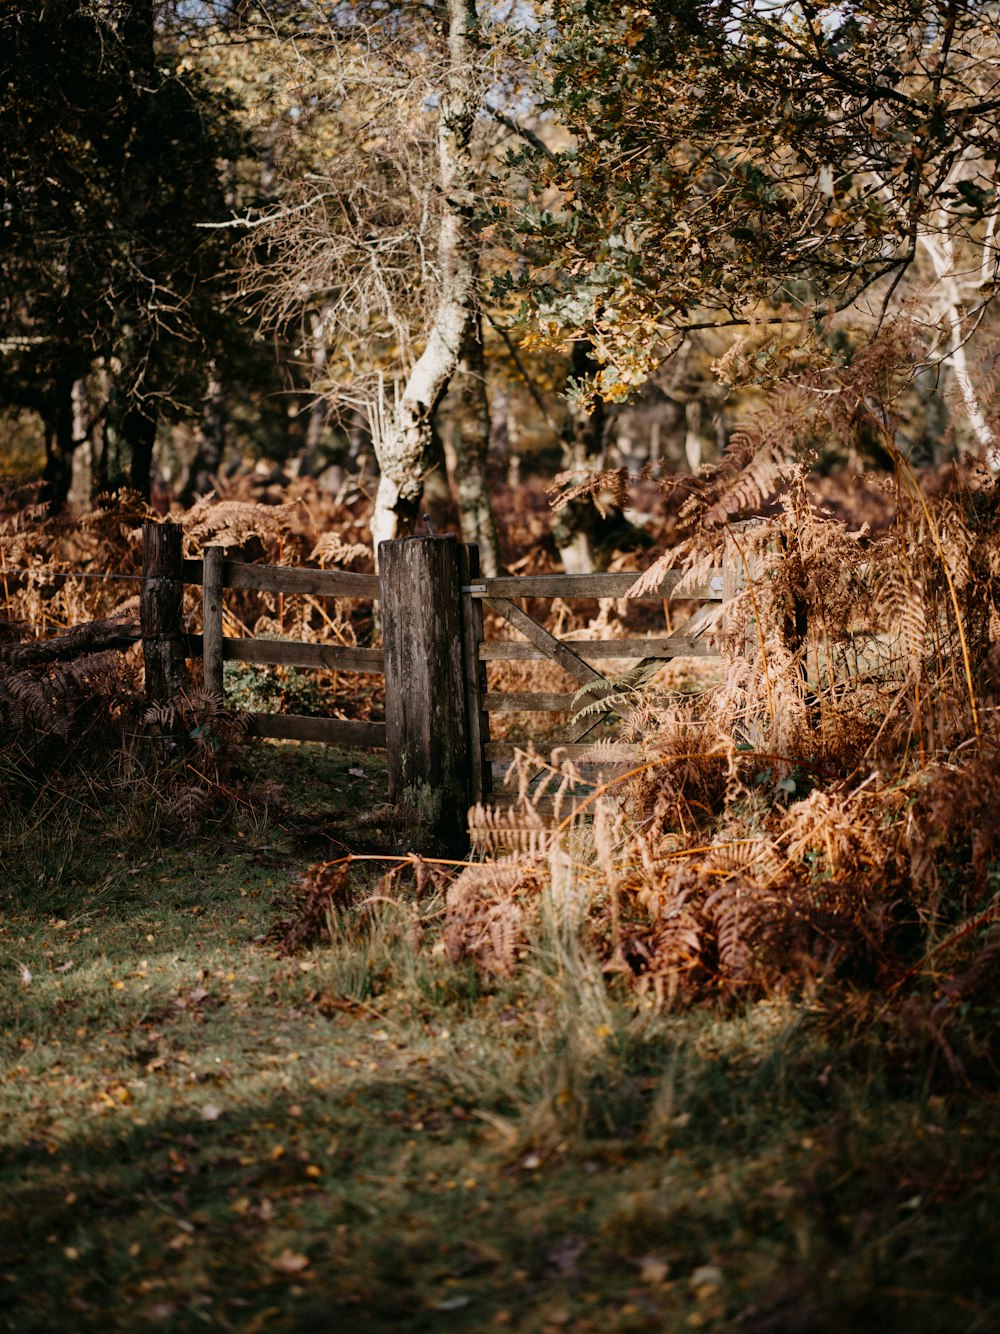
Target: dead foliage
(827, 813)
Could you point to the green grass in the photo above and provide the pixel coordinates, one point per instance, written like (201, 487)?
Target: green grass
(199, 1133)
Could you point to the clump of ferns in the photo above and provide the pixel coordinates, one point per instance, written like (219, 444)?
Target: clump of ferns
(71, 703)
(194, 747)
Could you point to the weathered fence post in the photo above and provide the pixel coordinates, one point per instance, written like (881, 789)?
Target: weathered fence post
(160, 606)
(420, 581)
(211, 618)
(477, 720)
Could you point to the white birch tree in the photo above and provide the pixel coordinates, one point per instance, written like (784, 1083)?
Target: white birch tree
(387, 158)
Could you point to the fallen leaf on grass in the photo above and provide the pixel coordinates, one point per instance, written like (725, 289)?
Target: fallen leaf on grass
(705, 1279)
(210, 1112)
(115, 1095)
(289, 1262)
(653, 1269)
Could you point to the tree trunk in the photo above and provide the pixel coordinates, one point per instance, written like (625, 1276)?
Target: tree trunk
(130, 415)
(129, 419)
(942, 254)
(402, 445)
(437, 501)
(574, 525)
(318, 410)
(211, 440)
(60, 443)
(472, 447)
(81, 487)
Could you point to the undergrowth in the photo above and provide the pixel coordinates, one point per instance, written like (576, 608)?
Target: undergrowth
(712, 1046)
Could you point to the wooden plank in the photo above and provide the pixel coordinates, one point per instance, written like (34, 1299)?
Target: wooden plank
(707, 617)
(285, 579)
(621, 754)
(535, 701)
(504, 800)
(331, 731)
(477, 720)
(675, 646)
(675, 584)
(283, 653)
(282, 579)
(211, 619)
(548, 646)
(290, 653)
(542, 701)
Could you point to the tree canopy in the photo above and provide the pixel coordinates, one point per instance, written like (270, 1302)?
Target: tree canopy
(730, 155)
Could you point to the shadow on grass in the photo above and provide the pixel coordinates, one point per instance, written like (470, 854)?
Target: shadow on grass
(671, 1190)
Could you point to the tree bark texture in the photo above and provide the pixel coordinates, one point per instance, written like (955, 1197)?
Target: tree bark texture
(131, 413)
(402, 448)
(160, 611)
(472, 445)
(425, 707)
(211, 439)
(583, 434)
(60, 442)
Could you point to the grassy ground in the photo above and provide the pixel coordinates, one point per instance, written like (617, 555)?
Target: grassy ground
(197, 1132)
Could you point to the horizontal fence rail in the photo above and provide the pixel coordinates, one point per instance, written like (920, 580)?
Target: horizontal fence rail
(164, 575)
(330, 731)
(609, 752)
(674, 646)
(294, 653)
(285, 579)
(677, 584)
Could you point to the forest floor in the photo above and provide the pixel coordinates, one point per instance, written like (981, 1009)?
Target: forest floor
(198, 1131)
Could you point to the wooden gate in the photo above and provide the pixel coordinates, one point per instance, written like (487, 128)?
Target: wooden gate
(576, 656)
(435, 658)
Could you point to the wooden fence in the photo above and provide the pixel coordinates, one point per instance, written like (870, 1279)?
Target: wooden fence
(434, 659)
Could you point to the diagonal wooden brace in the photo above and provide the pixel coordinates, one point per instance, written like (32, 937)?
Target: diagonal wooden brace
(553, 648)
